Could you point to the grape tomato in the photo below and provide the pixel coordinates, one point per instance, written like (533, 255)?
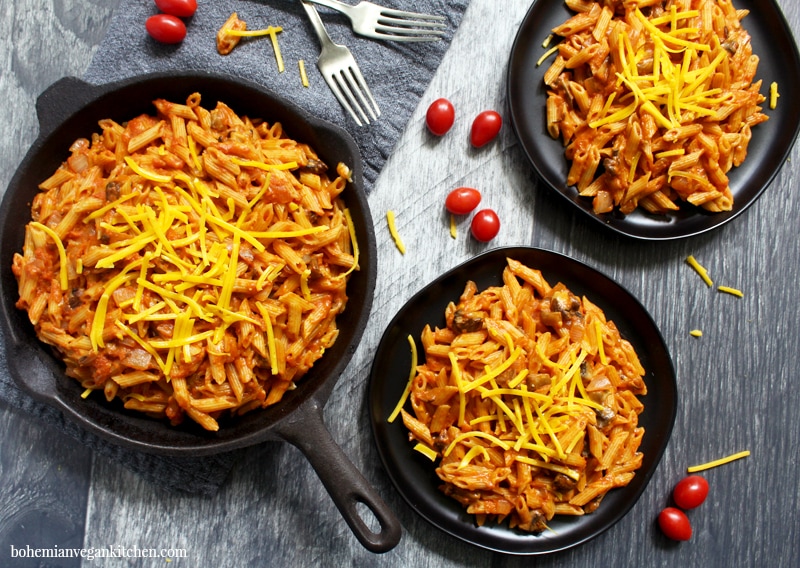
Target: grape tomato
(485, 225)
(165, 28)
(485, 128)
(675, 524)
(690, 492)
(440, 117)
(179, 8)
(462, 200)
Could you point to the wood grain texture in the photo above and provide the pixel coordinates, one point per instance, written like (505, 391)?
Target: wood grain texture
(737, 383)
(45, 474)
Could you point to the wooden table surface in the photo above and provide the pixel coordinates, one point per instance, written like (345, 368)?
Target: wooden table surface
(737, 384)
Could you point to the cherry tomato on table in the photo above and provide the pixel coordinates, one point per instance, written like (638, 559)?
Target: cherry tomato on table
(690, 492)
(485, 225)
(179, 8)
(485, 127)
(165, 28)
(462, 200)
(675, 524)
(440, 116)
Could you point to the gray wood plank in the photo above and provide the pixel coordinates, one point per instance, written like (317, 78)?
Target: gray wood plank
(44, 492)
(45, 474)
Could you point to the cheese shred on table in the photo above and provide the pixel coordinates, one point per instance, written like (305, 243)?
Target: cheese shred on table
(390, 220)
(731, 291)
(700, 269)
(528, 399)
(719, 462)
(190, 264)
(303, 75)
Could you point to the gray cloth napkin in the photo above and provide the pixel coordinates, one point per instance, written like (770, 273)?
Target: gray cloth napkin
(397, 73)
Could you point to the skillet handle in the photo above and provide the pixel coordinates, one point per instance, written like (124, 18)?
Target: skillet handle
(306, 430)
(62, 99)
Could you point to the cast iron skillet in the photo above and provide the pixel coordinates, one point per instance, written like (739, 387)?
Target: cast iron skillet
(413, 474)
(70, 109)
(779, 61)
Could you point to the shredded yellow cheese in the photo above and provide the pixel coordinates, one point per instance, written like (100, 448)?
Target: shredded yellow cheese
(62, 254)
(352, 230)
(144, 344)
(674, 92)
(571, 473)
(462, 401)
(532, 414)
(719, 462)
(453, 228)
(474, 451)
(106, 208)
(411, 374)
(773, 95)
(476, 434)
(426, 451)
(98, 322)
(255, 33)
(598, 328)
(732, 291)
(546, 54)
(691, 261)
(271, 347)
(393, 231)
(146, 174)
(303, 75)
(272, 32)
(276, 48)
(304, 284)
(196, 289)
(492, 373)
(265, 166)
(193, 153)
(670, 153)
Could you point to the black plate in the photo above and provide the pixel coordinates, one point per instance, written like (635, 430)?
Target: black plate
(413, 474)
(779, 61)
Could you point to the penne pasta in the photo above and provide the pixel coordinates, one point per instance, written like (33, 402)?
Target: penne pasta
(203, 260)
(673, 80)
(527, 401)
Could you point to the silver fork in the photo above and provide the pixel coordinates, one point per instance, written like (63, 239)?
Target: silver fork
(377, 22)
(341, 72)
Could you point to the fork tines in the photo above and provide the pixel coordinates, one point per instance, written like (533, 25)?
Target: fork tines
(345, 86)
(410, 25)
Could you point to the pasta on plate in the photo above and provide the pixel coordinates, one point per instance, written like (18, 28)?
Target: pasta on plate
(654, 101)
(191, 263)
(528, 400)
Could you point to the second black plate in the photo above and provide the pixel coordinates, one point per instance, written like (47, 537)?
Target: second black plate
(413, 474)
(779, 61)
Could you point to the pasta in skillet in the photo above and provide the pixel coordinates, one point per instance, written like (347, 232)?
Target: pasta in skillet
(654, 101)
(190, 263)
(528, 400)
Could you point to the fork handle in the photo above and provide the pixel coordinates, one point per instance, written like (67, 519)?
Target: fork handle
(335, 5)
(316, 23)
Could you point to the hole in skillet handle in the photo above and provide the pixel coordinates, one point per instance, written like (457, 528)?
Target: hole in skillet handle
(372, 522)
